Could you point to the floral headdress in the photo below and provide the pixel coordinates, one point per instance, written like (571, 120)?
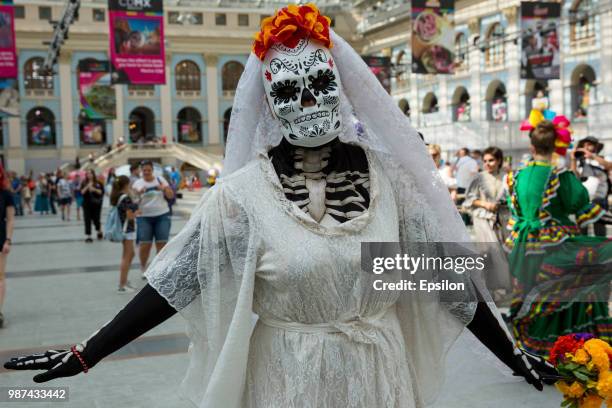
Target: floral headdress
(560, 122)
(291, 24)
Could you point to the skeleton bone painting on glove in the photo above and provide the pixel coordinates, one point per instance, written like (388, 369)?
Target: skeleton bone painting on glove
(301, 81)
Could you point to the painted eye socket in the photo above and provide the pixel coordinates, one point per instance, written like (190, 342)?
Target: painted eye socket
(324, 82)
(283, 92)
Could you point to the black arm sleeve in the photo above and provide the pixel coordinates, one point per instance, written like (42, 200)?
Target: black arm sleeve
(145, 311)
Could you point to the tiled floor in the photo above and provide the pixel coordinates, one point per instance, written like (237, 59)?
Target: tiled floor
(60, 290)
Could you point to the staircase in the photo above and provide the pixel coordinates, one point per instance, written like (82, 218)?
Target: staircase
(120, 155)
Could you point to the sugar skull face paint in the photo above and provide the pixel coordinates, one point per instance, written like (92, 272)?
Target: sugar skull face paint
(302, 86)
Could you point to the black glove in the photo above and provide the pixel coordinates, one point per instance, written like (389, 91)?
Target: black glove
(145, 311)
(488, 330)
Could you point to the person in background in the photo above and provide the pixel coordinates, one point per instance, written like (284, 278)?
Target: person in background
(26, 192)
(64, 195)
(484, 199)
(17, 188)
(78, 196)
(110, 179)
(592, 169)
(52, 192)
(153, 222)
(477, 155)
(93, 194)
(127, 209)
(549, 257)
(175, 176)
(7, 219)
(41, 203)
(134, 173)
(465, 170)
(445, 171)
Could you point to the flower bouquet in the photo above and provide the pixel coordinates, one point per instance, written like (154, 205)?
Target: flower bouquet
(583, 363)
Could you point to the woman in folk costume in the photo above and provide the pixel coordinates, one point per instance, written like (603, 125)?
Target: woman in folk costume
(319, 160)
(561, 277)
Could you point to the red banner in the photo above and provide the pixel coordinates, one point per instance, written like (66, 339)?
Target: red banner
(8, 53)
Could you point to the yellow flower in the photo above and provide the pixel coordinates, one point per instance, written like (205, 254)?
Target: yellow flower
(590, 401)
(598, 349)
(576, 390)
(581, 357)
(604, 385)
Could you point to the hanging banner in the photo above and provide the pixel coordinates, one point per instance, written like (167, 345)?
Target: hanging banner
(137, 42)
(381, 67)
(9, 97)
(433, 36)
(540, 53)
(8, 53)
(96, 93)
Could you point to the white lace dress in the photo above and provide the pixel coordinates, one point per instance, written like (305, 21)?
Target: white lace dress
(325, 337)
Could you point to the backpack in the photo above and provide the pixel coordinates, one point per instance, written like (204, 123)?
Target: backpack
(114, 231)
(170, 201)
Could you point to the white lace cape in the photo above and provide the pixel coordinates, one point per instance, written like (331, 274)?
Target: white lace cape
(207, 271)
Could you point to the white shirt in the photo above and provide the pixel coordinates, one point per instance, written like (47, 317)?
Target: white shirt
(467, 168)
(152, 200)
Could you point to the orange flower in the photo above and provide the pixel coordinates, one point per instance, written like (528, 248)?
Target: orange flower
(291, 24)
(591, 401)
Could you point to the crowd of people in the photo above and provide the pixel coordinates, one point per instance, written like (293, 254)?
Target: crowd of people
(553, 205)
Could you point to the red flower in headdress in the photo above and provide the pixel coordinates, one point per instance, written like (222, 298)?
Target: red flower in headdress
(289, 25)
(561, 124)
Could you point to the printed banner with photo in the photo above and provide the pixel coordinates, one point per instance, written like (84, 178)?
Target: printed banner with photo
(41, 133)
(96, 93)
(137, 42)
(433, 36)
(189, 132)
(9, 97)
(93, 132)
(381, 67)
(8, 53)
(540, 54)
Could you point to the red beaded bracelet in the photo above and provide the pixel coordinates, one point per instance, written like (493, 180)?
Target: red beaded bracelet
(78, 355)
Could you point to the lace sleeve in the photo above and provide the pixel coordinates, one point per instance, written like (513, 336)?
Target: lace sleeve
(174, 271)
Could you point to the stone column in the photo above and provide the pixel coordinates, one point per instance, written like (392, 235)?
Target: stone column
(212, 96)
(474, 68)
(512, 62)
(118, 123)
(166, 102)
(68, 149)
(15, 151)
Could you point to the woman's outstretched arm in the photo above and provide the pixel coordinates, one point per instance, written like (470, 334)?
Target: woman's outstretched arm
(145, 311)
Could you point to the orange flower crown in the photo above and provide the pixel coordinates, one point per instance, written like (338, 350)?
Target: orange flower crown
(291, 24)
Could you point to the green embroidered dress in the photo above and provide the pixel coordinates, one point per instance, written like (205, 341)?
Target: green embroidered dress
(550, 260)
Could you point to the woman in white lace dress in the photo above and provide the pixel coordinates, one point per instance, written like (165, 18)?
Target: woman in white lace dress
(314, 166)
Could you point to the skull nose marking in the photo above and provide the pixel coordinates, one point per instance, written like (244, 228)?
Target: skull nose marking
(308, 99)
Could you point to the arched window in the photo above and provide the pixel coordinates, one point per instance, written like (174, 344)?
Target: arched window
(32, 78)
(582, 18)
(404, 106)
(494, 54)
(461, 105)
(91, 131)
(142, 125)
(462, 53)
(189, 122)
(583, 82)
(497, 102)
(40, 124)
(187, 76)
(230, 74)
(430, 103)
(536, 95)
